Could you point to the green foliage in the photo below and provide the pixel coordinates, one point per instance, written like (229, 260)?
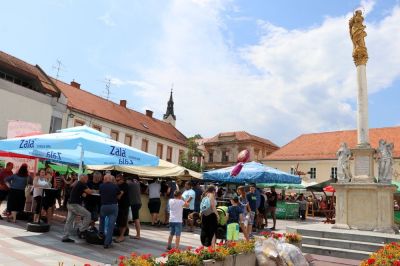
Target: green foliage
(188, 159)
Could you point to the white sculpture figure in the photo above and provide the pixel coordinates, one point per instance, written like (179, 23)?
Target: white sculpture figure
(343, 163)
(385, 161)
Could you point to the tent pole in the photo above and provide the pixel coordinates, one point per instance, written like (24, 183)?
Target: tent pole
(81, 160)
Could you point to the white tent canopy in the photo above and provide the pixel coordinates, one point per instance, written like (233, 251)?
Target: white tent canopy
(164, 169)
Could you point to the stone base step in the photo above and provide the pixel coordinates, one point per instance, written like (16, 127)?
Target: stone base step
(335, 252)
(342, 244)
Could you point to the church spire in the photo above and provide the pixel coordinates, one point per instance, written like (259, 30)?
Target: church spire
(169, 116)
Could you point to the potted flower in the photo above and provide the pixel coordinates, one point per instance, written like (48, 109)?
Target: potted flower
(136, 260)
(387, 255)
(176, 257)
(244, 252)
(294, 239)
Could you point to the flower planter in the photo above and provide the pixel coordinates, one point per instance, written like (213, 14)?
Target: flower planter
(248, 259)
(213, 263)
(229, 260)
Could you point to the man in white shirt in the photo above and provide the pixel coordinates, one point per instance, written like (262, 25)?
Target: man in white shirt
(154, 204)
(188, 196)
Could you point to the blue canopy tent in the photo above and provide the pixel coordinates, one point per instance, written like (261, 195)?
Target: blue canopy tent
(79, 145)
(252, 172)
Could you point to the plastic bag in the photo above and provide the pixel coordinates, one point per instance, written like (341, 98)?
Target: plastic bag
(291, 254)
(267, 253)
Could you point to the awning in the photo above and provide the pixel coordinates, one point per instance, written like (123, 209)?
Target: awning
(319, 187)
(164, 169)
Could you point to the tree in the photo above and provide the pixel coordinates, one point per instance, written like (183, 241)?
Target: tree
(188, 160)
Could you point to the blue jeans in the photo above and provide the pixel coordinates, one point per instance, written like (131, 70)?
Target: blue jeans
(175, 229)
(110, 211)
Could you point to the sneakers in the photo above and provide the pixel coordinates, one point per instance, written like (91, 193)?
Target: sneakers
(169, 248)
(67, 240)
(100, 235)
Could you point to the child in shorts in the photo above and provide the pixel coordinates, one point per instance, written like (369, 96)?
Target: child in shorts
(176, 206)
(235, 217)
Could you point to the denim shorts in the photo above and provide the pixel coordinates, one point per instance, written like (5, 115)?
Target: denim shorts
(175, 229)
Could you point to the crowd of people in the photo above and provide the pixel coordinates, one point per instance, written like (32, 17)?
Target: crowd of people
(110, 201)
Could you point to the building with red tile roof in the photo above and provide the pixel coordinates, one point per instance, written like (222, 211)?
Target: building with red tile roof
(123, 124)
(28, 95)
(222, 149)
(315, 154)
(55, 104)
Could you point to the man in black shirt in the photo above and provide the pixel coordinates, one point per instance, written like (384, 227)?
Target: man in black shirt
(272, 200)
(123, 207)
(78, 192)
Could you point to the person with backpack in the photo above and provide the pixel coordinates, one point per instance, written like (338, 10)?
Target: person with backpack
(209, 218)
(235, 217)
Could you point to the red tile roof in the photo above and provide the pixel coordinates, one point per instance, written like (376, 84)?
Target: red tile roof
(29, 70)
(239, 136)
(320, 146)
(86, 102)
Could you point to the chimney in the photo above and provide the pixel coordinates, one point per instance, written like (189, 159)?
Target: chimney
(149, 113)
(122, 103)
(75, 84)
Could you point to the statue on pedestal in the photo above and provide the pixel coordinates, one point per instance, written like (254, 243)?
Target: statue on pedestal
(343, 163)
(357, 34)
(385, 161)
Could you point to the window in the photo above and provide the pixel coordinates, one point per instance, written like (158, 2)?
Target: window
(257, 154)
(313, 173)
(225, 157)
(78, 123)
(159, 150)
(334, 172)
(55, 124)
(114, 135)
(128, 140)
(169, 154)
(145, 145)
(292, 170)
(97, 127)
(210, 157)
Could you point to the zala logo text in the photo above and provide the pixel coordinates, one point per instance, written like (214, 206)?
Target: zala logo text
(27, 144)
(118, 151)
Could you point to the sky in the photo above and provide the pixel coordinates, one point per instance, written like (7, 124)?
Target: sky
(276, 69)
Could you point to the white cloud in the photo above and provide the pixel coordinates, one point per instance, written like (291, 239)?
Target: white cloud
(107, 20)
(289, 82)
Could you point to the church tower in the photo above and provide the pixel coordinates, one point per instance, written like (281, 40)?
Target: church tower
(169, 116)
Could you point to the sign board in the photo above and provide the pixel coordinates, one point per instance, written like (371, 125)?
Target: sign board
(22, 128)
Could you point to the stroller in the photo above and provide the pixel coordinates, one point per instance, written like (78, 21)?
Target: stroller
(223, 219)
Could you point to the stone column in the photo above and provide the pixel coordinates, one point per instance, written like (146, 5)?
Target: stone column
(362, 107)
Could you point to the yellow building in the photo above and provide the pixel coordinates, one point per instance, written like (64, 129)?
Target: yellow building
(313, 156)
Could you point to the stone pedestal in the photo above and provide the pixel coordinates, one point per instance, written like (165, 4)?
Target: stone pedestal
(365, 206)
(363, 164)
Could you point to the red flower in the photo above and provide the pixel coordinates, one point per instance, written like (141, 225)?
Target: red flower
(121, 264)
(121, 257)
(164, 255)
(133, 254)
(371, 261)
(396, 263)
(86, 264)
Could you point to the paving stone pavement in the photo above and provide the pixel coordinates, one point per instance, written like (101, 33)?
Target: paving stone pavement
(20, 247)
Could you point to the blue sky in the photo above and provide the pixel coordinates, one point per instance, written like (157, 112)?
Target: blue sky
(276, 69)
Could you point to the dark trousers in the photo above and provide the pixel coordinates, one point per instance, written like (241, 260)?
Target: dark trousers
(302, 214)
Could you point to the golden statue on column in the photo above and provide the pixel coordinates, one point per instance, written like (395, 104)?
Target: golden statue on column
(357, 34)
